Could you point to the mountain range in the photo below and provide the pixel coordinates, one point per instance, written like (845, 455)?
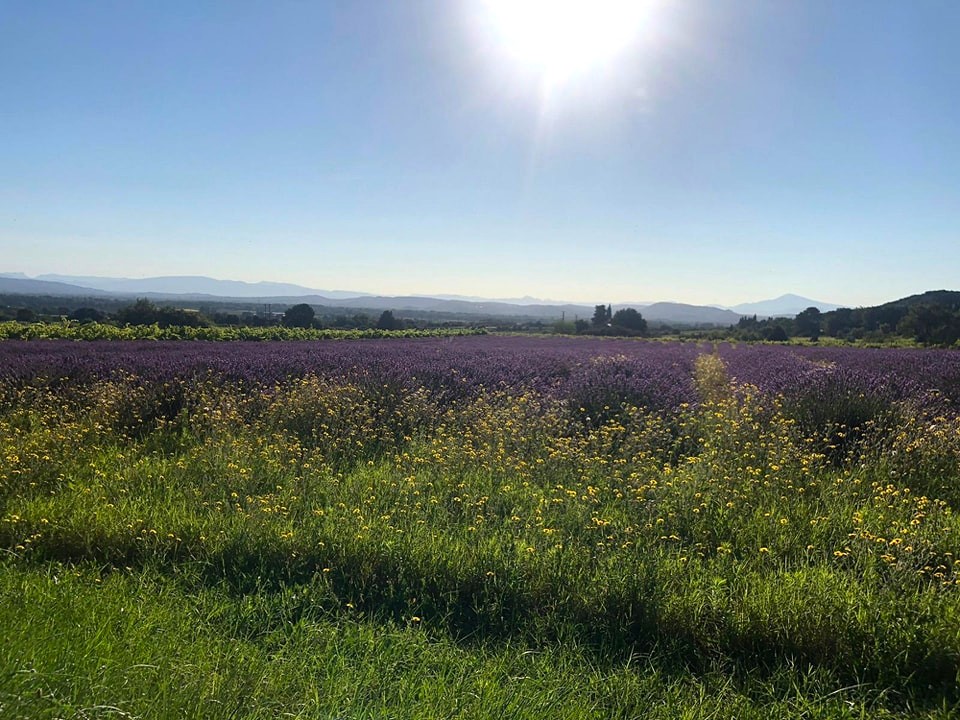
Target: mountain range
(187, 285)
(204, 289)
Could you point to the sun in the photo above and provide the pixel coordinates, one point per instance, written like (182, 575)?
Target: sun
(563, 39)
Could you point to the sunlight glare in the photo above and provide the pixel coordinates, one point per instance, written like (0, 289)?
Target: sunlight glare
(564, 38)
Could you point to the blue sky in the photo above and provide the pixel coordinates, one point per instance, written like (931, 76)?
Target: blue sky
(731, 151)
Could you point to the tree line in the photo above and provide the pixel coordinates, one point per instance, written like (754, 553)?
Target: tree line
(146, 312)
(932, 318)
(623, 322)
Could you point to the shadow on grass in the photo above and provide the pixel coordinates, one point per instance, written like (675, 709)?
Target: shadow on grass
(481, 600)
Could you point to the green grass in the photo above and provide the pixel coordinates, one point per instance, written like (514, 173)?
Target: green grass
(80, 644)
(308, 553)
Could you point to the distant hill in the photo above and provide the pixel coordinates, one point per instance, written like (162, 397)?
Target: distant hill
(669, 313)
(681, 314)
(199, 289)
(193, 285)
(26, 286)
(783, 306)
(485, 308)
(931, 318)
(526, 300)
(947, 298)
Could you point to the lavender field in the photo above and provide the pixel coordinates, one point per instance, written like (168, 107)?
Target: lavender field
(478, 527)
(655, 376)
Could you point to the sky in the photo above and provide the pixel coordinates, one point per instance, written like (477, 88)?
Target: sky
(705, 151)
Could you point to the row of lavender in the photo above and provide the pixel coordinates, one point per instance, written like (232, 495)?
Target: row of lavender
(594, 373)
(928, 379)
(591, 372)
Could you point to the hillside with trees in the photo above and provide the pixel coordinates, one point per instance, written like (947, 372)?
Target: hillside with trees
(930, 318)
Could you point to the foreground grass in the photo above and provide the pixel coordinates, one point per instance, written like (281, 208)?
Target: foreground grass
(78, 644)
(320, 549)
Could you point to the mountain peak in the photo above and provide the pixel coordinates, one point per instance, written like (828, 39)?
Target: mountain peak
(786, 305)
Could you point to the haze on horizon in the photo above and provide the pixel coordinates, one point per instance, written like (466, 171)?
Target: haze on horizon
(702, 152)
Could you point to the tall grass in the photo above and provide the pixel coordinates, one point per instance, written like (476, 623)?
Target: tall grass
(328, 548)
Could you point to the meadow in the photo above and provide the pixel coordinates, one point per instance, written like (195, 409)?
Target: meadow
(478, 527)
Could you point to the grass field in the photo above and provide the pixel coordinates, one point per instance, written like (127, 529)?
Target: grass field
(334, 545)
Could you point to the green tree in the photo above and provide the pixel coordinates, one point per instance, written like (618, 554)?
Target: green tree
(388, 322)
(629, 319)
(87, 314)
(142, 312)
(361, 321)
(775, 333)
(807, 323)
(600, 315)
(838, 322)
(298, 316)
(931, 325)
